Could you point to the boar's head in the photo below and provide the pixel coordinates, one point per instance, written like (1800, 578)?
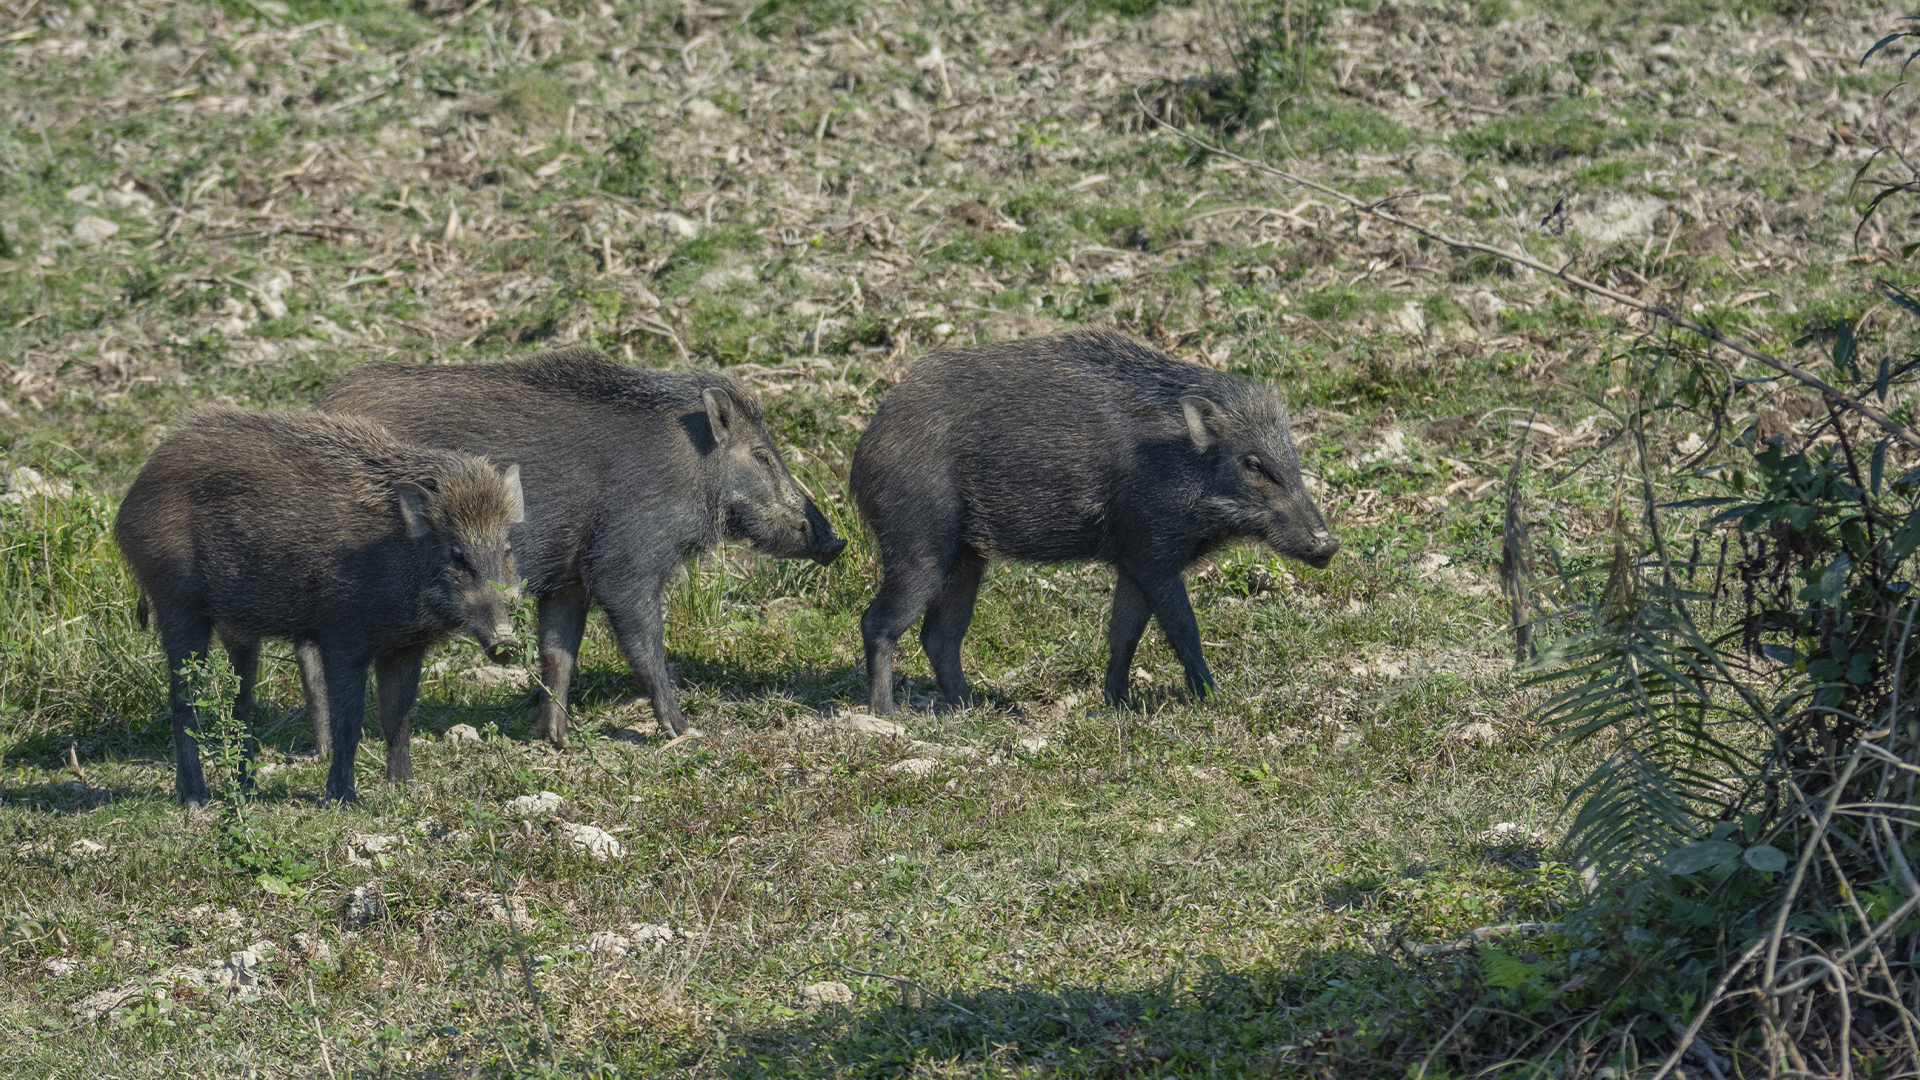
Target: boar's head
(461, 525)
(759, 500)
(1254, 487)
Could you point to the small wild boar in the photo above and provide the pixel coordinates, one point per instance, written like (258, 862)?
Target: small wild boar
(324, 531)
(628, 473)
(1079, 446)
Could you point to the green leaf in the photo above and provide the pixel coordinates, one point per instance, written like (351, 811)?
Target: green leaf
(1501, 968)
(1705, 855)
(1766, 858)
(275, 885)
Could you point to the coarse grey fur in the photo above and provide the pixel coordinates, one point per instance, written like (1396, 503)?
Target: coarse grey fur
(628, 473)
(1084, 445)
(324, 531)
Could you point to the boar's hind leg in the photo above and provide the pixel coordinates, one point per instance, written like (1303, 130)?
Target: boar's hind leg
(186, 638)
(245, 658)
(946, 624)
(910, 581)
(638, 625)
(346, 683)
(398, 679)
(563, 622)
(313, 682)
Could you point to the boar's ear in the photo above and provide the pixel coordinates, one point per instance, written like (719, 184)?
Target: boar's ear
(1204, 421)
(721, 411)
(413, 508)
(516, 499)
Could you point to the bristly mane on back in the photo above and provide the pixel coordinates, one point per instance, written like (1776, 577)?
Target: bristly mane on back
(582, 370)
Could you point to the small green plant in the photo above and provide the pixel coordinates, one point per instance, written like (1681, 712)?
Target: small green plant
(630, 167)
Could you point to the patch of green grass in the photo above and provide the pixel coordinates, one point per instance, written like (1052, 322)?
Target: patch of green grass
(1571, 127)
(1346, 301)
(533, 98)
(1323, 126)
(800, 16)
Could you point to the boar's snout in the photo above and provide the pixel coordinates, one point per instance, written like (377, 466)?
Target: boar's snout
(826, 553)
(1321, 551)
(501, 645)
(823, 546)
(492, 627)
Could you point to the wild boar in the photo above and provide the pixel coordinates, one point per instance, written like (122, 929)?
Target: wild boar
(1078, 446)
(628, 473)
(320, 530)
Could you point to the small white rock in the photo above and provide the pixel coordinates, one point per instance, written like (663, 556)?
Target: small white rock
(655, 934)
(680, 225)
(1033, 744)
(94, 230)
(362, 847)
(491, 677)
(60, 966)
(594, 841)
(364, 904)
(914, 766)
(702, 113)
(867, 724)
(824, 993)
(1477, 733)
(23, 482)
(534, 805)
(461, 733)
(501, 907)
(608, 944)
(310, 946)
(83, 193)
(84, 847)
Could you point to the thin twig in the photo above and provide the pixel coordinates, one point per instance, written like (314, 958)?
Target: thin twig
(1660, 311)
(1713, 999)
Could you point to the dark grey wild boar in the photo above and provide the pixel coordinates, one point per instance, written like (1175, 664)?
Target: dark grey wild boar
(627, 473)
(1079, 446)
(322, 530)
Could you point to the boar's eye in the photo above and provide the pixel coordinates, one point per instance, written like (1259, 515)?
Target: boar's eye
(1252, 465)
(764, 458)
(460, 559)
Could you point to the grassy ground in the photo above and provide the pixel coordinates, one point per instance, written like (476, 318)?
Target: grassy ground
(238, 200)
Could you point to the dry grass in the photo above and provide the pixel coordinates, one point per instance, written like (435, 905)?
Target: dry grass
(812, 195)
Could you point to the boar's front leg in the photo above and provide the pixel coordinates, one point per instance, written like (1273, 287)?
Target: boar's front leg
(397, 676)
(641, 629)
(1150, 592)
(563, 622)
(186, 638)
(346, 682)
(1167, 595)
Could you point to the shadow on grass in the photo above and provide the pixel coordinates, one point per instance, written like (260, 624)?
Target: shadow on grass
(65, 799)
(1336, 1013)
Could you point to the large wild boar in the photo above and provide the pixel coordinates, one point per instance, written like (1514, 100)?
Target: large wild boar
(321, 530)
(1079, 446)
(628, 473)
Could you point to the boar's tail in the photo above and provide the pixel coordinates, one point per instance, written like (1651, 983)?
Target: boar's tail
(140, 611)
